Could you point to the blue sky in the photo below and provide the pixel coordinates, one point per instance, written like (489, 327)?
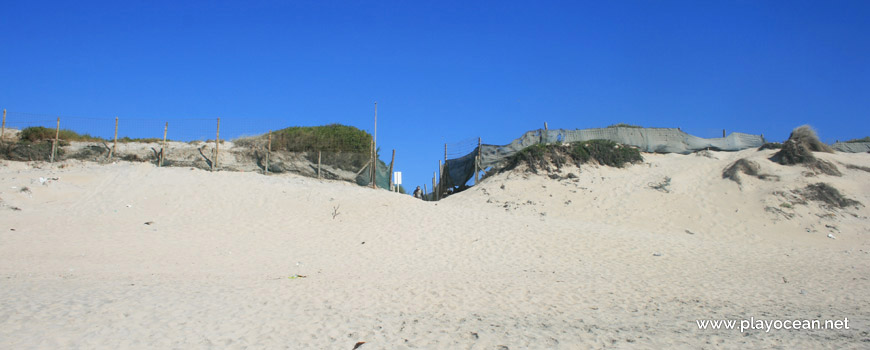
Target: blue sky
(446, 71)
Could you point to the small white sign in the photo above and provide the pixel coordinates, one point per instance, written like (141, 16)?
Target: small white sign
(397, 177)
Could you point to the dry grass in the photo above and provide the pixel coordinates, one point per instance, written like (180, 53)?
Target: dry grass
(828, 195)
(799, 148)
(770, 145)
(745, 166)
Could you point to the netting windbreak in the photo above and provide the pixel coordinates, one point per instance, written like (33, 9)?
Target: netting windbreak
(382, 176)
(654, 140)
(852, 147)
(459, 171)
(335, 151)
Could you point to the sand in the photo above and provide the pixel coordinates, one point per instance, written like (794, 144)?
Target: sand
(128, 255)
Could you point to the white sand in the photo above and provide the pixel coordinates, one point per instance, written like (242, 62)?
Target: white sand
(489, 268)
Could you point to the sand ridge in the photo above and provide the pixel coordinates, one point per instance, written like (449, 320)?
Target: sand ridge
(620, 265)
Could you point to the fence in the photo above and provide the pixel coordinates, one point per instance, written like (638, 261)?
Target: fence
(456, 172)
(234, 144)
(852, 147)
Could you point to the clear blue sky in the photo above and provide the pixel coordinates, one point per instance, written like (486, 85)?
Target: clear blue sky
(445, 71)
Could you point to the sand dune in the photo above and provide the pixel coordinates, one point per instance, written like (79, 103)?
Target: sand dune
(520, 261)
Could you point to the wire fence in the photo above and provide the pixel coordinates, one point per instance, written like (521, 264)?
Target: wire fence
(245, 144)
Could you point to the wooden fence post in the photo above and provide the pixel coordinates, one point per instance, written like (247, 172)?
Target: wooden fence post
(434, 186)
(477, 164)
(163, 147)
(374, 164)
(545, 136)
(115, 140)
(54, 144)
(391, 169)
(425, 191)
(440, 179)
(268, 152)
(217, 145)
(476, 170)
(3, 128)
(723, 132)
(318, 164)
(374, 168)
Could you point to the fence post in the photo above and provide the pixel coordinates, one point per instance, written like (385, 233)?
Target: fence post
(434, 185)
(477, 164)
(318, 164)
(163, 147)
(374, 166)
(476, 170)
(115, 140)
(54, 144)
(440, 179)
(545, 134)
(375, 150)
(391, 169)
(268, 152)
(723, 132)
(3, 128)
(217, 145)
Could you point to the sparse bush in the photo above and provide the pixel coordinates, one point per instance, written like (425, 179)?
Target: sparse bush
(133, 158)
(340, 160)
(90, 152)
(28, 151)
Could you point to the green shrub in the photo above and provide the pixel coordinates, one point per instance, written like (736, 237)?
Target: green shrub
(40, 133)
(327, 138)
(126, 139)
(536, 156)
(624, 125)
(605, 152)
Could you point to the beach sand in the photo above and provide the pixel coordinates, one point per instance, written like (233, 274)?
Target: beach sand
(128, 255)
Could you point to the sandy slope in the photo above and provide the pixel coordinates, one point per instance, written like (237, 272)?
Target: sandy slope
(489, 268)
